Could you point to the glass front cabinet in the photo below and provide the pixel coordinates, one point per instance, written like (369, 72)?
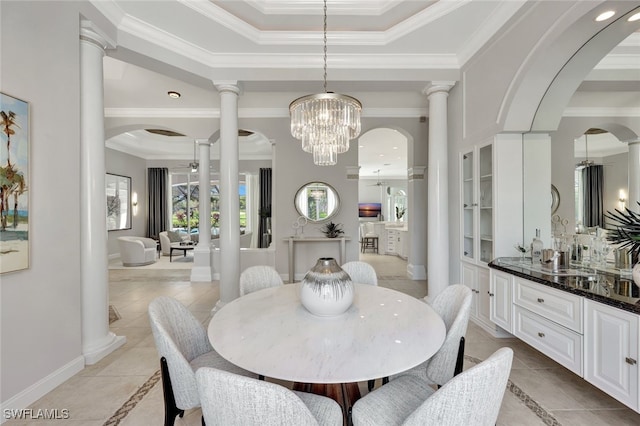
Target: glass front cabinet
(491, 214)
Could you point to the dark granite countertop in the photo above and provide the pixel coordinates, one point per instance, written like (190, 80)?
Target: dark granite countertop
(604, 286)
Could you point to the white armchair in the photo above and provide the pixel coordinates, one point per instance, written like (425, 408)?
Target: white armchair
(165, 241)
(137, 251)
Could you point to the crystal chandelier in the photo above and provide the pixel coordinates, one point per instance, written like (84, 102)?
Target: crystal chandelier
(325, 122)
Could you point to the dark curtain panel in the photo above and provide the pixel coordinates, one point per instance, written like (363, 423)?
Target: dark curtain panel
(592, 180)
(264, 230)
(159, 219)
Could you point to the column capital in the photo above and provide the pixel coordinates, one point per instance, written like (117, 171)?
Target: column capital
(353, 172)
(227, 86)
(438, 86)
(89, 33)
(200, 142)
(631, 141)
(416, 172)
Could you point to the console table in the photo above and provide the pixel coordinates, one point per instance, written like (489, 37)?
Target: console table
(292, 243)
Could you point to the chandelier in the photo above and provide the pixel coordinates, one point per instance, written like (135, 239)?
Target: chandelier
(325, 122)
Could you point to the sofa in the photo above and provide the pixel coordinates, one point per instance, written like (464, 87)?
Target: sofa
(137, 251)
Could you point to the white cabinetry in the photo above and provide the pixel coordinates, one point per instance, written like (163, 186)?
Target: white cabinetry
(611, 352)
(501, 303)
(549, 320)
(393, 235)
(491, 215)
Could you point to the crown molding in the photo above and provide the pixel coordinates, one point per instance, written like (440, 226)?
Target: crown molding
(248, 112)
(601, 112)
(298, 7)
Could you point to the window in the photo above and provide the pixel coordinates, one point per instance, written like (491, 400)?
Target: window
(185, 203)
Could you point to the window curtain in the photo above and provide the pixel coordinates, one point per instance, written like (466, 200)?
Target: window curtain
(265, 207)
(253, 204)
(592, 184)
(159, 220)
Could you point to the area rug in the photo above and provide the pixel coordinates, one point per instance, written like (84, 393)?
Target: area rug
(546, 417)
(113, 314)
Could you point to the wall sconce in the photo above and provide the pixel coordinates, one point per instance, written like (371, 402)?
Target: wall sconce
(622, 198)
(134, 202)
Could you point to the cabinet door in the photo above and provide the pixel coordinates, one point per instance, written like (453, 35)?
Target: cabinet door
(501, 302)
(469, 279)
(611, 352)
(484, 296)
(468, 206)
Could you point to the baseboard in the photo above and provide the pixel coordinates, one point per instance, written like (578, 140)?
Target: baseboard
(416, 272)
(492, 329)
(42, 387)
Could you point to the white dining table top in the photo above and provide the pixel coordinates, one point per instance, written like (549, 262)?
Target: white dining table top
(383, 333)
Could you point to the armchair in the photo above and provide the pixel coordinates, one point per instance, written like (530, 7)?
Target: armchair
(137, 251)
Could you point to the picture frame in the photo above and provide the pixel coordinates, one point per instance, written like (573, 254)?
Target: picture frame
(118, 191)
(14, 184)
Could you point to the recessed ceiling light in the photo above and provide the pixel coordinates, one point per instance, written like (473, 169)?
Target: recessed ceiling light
(634, 17)
(605, 15)
(174, 95)
(360, 146)
(395, 147)
(380, 155)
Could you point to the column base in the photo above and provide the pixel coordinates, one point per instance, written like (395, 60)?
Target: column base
(202, 270)
(417, 272)
(109, 344)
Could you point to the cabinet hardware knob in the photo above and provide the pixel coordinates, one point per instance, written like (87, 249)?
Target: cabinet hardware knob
(540, 334)
(490, 294)
(474, 205)
(540, 300)
(630, 361)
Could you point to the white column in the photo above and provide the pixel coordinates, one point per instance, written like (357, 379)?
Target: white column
(229, 184)
(97, 340)
(417, 201)
(438, 189)
(634, 176)
(202, 270)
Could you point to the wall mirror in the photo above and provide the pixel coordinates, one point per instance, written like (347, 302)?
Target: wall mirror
(317, 201)
(118, 202)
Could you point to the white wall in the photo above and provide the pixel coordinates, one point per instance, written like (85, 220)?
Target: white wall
(40, 307)
(123, 164)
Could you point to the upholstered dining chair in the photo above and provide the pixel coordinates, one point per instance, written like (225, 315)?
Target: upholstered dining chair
(471, 398)
(183, 346)
(453, 305)
(257, 277)
(229, 399)
(361, 272)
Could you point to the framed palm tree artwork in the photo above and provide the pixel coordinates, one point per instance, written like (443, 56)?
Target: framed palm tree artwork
(14, 184)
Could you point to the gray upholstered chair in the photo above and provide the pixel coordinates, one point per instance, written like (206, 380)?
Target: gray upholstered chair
(361, 272)
(453, 305)
(257, 277)
(471, 398)
(229, 399)
(183, 347)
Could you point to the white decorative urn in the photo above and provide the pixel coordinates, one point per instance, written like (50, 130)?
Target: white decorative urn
(326, 290)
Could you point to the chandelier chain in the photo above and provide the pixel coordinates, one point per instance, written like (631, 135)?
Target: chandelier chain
(325, 46)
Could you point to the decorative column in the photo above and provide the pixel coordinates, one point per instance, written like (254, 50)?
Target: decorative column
(229, 185)
(417, 200)
(634, 175)
(97, 340)
(202, 270)
(438, 189)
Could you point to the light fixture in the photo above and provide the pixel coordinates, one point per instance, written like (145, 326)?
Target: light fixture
(194, 164)
(325, 122)
(634, 17)
(622, 198)
(134, 202)
(605, 15)
(173, 94)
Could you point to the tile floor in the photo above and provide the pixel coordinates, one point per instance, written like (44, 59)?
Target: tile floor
(124, 388)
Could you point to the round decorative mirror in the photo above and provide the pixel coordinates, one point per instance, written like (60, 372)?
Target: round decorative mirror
(317, 201)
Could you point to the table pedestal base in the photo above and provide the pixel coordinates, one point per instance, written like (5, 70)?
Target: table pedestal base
(345, 394)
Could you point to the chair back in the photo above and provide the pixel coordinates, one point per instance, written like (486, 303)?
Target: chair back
(180, 338)
(257, 277)
(471, 398)
(453, 305)
(229, 399)
(361, 272)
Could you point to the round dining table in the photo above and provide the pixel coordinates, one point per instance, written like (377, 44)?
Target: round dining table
(270, 333)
